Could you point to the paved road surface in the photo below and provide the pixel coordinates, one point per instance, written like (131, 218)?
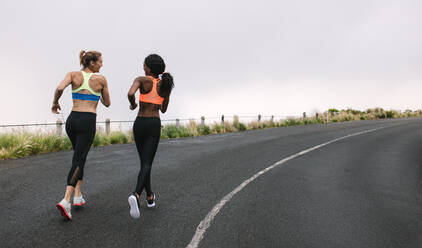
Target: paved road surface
(361, 191)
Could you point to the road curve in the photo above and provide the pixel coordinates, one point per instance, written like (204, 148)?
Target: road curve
(361, 191)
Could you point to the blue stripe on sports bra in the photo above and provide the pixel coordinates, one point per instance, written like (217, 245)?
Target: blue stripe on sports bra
(88, 97)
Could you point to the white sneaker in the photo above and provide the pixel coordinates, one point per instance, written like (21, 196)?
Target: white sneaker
(134, 206)
(64, 209)
(78, 201)
(151, 203)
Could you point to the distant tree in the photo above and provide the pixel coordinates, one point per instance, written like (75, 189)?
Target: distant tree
(333, 110)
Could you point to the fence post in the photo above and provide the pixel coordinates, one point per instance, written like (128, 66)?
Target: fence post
(202, 121)
(272, 118)
(222, 120)
(259, 118)
(316, 115)
(107, 126)
(177, 123)
(59, 127)
(304, 114)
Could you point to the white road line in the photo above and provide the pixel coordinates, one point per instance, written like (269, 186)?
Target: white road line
(205, 223)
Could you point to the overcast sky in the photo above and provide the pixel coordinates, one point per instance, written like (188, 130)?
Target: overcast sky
(227, 57)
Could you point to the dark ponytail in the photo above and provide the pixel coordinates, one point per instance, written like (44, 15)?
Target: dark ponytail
(157, 66)
(166, 84)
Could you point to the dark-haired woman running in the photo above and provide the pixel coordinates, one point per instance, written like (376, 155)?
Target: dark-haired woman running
(154, 96)
(87, 89)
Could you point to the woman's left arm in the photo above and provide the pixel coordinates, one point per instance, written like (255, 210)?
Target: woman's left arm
(165, 104)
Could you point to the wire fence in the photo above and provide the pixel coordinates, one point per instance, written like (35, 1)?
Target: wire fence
(126, 125)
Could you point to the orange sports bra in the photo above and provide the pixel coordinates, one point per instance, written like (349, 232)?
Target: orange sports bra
(152, 96)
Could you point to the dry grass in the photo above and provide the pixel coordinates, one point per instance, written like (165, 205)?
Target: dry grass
(21, 143)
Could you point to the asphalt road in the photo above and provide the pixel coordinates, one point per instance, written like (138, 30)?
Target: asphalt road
(361, 191)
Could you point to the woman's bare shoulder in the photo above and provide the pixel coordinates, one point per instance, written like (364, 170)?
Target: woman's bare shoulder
(143, 79)
(75, 73)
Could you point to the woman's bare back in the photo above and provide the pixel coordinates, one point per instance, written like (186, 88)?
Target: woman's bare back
(148, 109)
(96, 83)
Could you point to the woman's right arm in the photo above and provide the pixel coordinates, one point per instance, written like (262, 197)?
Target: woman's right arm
(131, 94)
(59, 91)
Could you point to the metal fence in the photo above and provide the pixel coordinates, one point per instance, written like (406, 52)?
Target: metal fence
(109, 125)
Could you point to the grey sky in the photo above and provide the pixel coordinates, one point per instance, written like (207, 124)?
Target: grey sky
(227, 57)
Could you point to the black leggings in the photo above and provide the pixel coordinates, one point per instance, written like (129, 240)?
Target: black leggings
(80, 127)
(146, 131)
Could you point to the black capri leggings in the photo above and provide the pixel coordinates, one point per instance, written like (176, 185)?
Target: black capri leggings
(146, 131)
(80, 127)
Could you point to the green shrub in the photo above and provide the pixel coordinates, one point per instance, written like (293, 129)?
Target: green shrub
(217, 128)
(381, 115)
(352, 111)
(171, 131)
(333, 110)
(389, 114)
(184, 132)
(242, 127)
(96, 141)
(203, 130)
(292, 122)
(272, 124)
(101, 139)
(118, 138)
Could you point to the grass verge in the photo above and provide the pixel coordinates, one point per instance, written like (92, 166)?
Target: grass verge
(22, 144)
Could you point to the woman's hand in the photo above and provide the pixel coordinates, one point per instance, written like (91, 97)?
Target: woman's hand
(133, 106)
(55, 108)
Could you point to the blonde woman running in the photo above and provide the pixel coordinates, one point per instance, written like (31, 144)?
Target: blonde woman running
(87, 89)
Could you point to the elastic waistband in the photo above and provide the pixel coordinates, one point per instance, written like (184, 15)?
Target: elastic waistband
(84, 113)
(148, 118)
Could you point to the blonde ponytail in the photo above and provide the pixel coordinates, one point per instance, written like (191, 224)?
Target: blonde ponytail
(81, 56)
(86, 57)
